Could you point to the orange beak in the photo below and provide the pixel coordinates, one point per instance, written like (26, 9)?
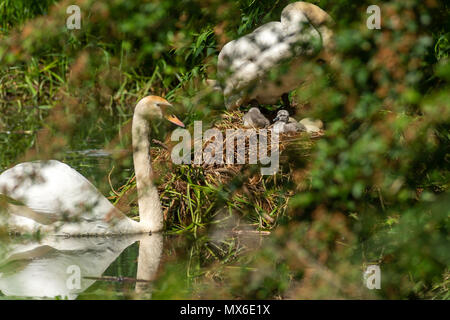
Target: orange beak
(175, 120)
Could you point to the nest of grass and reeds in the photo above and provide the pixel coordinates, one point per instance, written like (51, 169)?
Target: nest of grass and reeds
(193, 194)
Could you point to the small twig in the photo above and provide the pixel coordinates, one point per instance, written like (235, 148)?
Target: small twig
(267, 217)
(380, 196)
(18, 132)
(160, 144)
(116, 279)
(250, 231)
(110, 184)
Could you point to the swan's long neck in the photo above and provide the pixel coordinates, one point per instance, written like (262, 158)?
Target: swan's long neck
(150, 250)
(296, 13)
(150, 213)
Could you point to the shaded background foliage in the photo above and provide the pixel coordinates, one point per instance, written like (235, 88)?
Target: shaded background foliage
(374, 189)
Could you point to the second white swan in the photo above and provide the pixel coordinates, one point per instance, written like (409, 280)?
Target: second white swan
(54, 198)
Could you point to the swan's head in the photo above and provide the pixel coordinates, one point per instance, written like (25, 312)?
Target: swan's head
(154, 107)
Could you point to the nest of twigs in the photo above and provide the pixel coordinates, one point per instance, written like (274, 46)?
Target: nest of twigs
(193, 188)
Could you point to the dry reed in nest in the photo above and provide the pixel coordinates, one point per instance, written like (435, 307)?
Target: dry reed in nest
(190, 189)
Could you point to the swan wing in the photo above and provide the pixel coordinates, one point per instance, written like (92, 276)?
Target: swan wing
(55, 191)
(246, 61)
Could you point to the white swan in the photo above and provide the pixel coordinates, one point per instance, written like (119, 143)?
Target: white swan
(244, 65)
(56, 199)
(66, 267)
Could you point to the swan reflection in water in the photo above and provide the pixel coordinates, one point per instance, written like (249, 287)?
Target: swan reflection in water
(49, 268)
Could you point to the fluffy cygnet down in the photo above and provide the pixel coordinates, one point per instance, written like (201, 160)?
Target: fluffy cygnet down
(312, 126)
(285, 124)
(255, 119)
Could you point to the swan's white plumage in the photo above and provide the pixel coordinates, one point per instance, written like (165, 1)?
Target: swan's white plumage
(61, 199)
(45, 273)
(57, 199)
(244, 63)
(33, 182)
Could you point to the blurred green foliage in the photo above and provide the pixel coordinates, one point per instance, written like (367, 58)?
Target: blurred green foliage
(375, 188)
(15, 13)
